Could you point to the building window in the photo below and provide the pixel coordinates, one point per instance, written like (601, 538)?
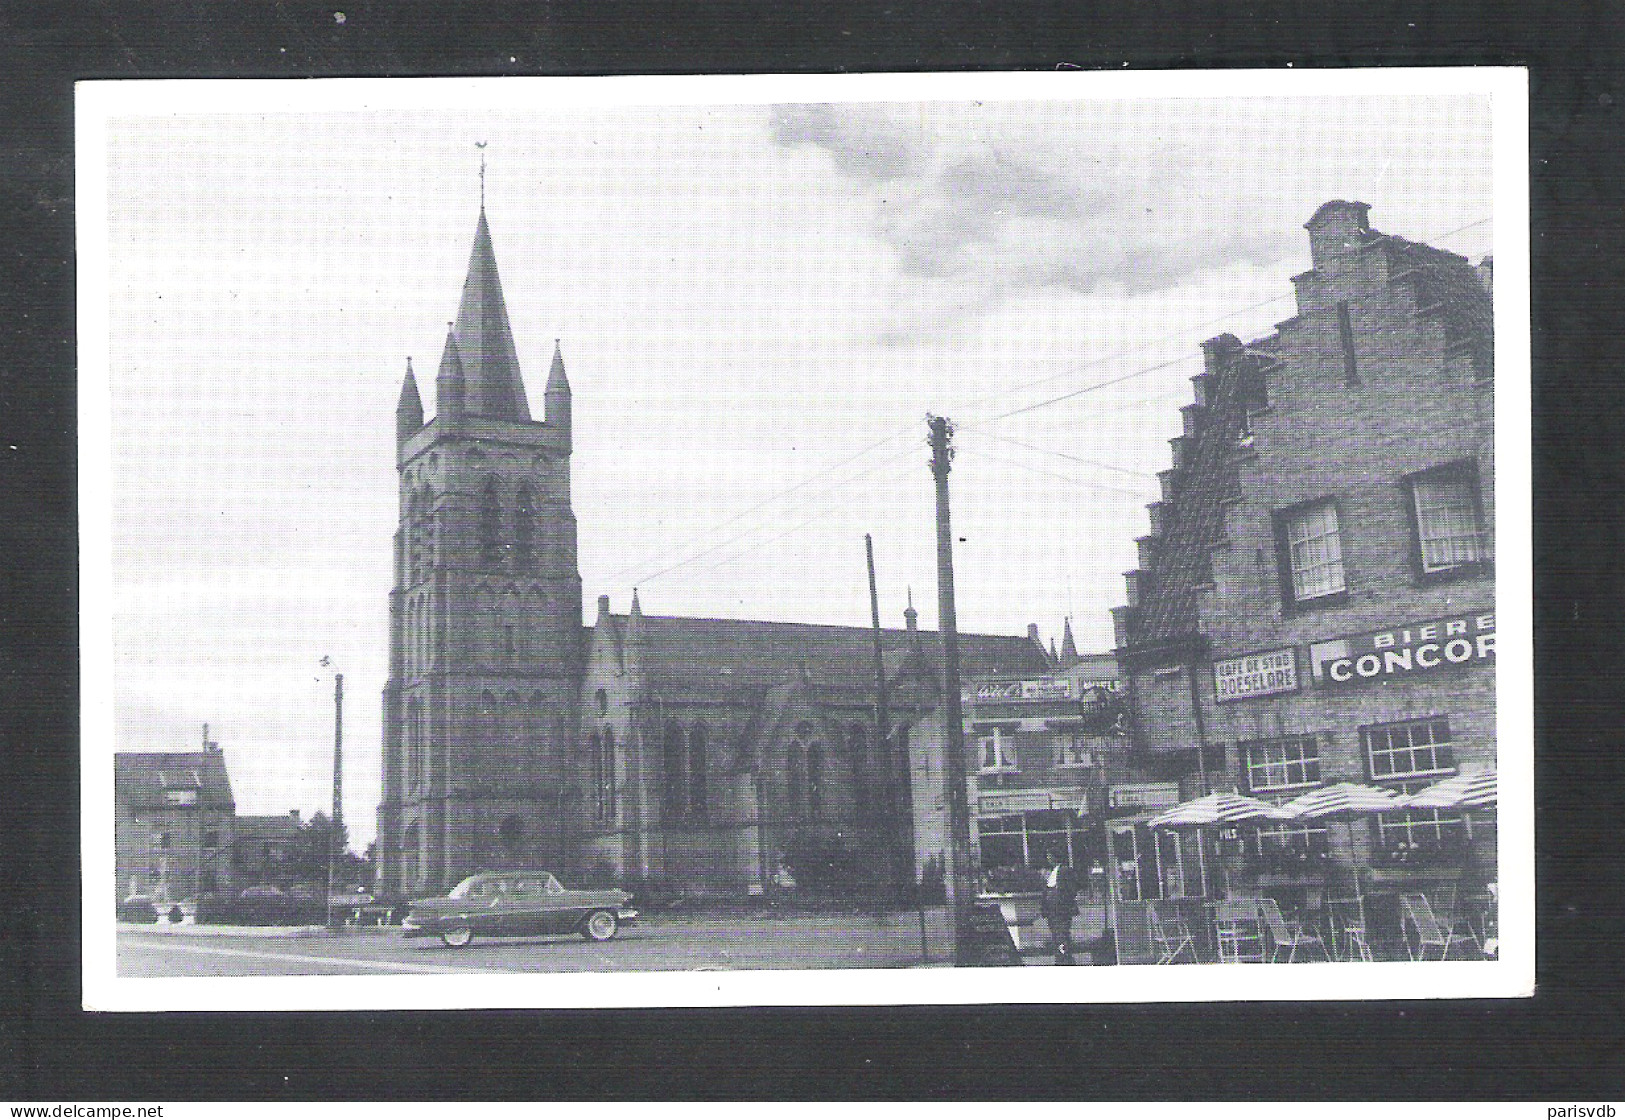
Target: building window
(1281, 764)
(1412, 749)
(675, 798)
(1417, 834)
(995, 754)
(211, 838)
(1311, 549)
(858, 742)
(792, 777)
(1280, 846)
(696, 771)
(603, 754)
(490, 526)
(815, 779)
(524, 529)
(164, 841)
(1447, 519)
(1074, 749)
(601, 698)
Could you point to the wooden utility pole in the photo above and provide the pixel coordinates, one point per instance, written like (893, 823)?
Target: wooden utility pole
(337, 822)
(958, 875)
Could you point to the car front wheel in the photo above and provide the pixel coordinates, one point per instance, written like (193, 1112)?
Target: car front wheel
(600, 925)
(457, 936)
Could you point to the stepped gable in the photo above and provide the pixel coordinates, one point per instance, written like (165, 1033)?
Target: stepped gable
(1447, 286)
(1188, 523)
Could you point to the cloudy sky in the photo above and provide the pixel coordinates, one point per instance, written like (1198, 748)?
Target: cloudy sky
(757, 303)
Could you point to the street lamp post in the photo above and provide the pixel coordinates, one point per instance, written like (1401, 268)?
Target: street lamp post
(336, 822)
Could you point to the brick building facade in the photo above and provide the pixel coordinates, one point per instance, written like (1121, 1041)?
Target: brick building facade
(1315, 601)
(173, 824)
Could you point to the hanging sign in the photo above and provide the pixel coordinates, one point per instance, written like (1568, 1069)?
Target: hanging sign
(1417, 647)
(1257, 674)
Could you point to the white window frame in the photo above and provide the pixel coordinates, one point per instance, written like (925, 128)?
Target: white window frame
(1284, 765)
(1074, 751)
(1003, 760)
(1391, 752)
(1310, 525)
(1442, 501)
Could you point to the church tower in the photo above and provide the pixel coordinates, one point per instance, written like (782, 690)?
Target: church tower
(485, 637)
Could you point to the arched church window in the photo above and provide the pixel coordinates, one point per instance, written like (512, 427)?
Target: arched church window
(696, 770)
(513, 751)
(491, 525)
(815, 779)
(792, 777)
(858, 739)
(490, 725)
(511, 835)
(601, 698)
(524, 528)
(595, 751)
(604, 772)
(674, 797)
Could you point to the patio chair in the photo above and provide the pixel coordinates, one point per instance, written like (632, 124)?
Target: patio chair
(1344, 915)
(1358, 947)
(1431, 931)
(1236, 936)
(1287, 935)
(1171, 938)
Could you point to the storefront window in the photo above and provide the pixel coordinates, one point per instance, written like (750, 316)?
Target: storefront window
(1279, 764)
(1287, 847)
(1413, 748)
(1419, 835)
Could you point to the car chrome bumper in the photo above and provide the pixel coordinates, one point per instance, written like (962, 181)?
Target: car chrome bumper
(626, 914)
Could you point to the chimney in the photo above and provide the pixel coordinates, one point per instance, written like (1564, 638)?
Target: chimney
(1336, 228)
(294, 814)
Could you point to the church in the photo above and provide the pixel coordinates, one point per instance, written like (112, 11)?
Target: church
(702, 755)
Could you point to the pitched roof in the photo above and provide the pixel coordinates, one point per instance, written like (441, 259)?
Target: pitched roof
(720, 657)
(494, 387)
(161, 779)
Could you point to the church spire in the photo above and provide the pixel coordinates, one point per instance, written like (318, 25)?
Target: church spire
(409, 409)
(557, 395)
(451, 383)
(484, 339)
(1069, 648)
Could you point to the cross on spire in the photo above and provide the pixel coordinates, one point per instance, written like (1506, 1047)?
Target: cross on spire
(480, 144)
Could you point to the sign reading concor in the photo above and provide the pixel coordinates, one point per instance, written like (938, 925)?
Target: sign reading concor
(1418, 647)
(1257, 674)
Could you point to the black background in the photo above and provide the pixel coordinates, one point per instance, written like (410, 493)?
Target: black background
(1562, 1046)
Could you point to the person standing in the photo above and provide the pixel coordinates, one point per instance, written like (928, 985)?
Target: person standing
(1060, 905)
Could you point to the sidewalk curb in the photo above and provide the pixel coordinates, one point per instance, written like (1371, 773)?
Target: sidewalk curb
(249, 931)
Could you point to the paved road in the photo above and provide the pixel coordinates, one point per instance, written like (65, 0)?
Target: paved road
(658, 943)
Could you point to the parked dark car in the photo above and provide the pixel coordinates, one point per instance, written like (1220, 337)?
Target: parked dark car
(518, 904)
(138, 908)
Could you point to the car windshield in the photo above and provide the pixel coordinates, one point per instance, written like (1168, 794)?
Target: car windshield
(468, 887)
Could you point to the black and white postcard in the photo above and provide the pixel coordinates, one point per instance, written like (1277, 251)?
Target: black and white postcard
(603, 542)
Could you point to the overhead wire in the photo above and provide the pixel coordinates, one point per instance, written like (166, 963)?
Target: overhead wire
(977, 426)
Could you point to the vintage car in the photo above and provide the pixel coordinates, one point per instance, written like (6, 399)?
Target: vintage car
(518, 904)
